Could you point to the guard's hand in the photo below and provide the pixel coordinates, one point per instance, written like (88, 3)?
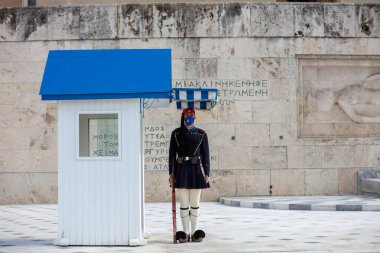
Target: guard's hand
(206, 178)
(171, 180)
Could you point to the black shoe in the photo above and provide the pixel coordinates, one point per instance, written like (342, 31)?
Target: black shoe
(182, 237)
(198, 236)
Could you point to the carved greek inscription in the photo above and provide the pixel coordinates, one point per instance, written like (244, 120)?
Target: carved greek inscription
(230, 90)
(156, 148)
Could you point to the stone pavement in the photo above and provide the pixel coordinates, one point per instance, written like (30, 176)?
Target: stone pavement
(315, 203)
(32, 228)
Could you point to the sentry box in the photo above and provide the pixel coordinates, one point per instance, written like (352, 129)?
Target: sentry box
(101, 96)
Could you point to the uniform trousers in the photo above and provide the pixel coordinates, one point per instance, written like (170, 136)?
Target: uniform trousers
(189, 204)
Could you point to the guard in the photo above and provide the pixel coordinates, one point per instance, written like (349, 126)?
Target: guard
(188, 154)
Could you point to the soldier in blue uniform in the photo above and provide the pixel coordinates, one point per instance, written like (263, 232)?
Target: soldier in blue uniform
(188, 154)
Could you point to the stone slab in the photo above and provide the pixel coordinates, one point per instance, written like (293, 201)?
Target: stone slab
(32, 24)
(8, 24)
(29, 160)
(252, 135)
(229, 155)
(308, 20)
(6, 161)
(321, 181)
(266, 158)
(338, 156)
(252, 182)
(200, 20)
(63, 23)
(339, 20)
(288, 182)
(98, 22)
(272, 20)
(304, 157)
(367, 20)
(234, 20)
(200, 68)
(135, 21)
(166, 21)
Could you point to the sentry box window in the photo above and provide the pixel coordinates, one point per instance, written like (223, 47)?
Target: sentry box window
(99, 135)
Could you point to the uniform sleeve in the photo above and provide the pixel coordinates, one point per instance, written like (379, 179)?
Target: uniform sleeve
(172, 152)
(205, 155)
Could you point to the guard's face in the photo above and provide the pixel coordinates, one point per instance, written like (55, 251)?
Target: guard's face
(189, 118)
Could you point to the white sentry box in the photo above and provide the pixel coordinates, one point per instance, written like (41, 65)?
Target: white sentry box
(100, 195)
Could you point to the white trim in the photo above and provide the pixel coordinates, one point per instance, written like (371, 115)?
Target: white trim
(77, 136)
(24, 3)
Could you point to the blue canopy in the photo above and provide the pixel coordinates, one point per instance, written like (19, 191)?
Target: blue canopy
(107, 74)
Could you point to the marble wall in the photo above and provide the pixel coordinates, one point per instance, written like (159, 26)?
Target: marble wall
(263, 58)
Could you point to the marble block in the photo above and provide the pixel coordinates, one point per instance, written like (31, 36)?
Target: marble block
(339, 20)
(367, 20)
(201, 20)
(8, 24)
(273, 111)
(157, 187)
(234, 68)
(43, 188)
(167, 21)
(98, 22)
(217, 47)
(235, 158)
(200, 68)
(6, 73)
(272, 20)
(6, 161)
(266, 158)
(367, 156)
(29, 160)
(321, 181)
(235, 20)
(252, 135)
(308, 20)
(63, 23)
(338, 156)
(135, 21)
(32, 24)
(252, 182)
(304, 156)
(288, 182)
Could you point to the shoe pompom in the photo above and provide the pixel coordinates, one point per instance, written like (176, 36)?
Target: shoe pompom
(199, 234)
(180, 235)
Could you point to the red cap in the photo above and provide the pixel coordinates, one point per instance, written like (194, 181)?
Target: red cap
(188, 110)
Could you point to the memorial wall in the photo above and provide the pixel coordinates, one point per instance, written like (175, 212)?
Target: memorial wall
(299, 87)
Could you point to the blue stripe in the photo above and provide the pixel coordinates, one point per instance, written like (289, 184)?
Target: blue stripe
(204, 94)
(179, 105)
(177, 94)
(190, 95)
(190, 104)
(203, 105)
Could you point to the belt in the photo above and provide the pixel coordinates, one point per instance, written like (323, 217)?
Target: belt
(193, 159)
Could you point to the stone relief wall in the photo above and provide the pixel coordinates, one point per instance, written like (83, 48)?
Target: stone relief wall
(339, 97)
(262, 132)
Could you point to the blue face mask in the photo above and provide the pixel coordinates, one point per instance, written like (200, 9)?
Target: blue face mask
(189, 121)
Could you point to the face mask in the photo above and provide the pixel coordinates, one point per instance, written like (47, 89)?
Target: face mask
(189, 121)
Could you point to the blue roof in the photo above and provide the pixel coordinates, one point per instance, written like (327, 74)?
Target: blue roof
(107, 74)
